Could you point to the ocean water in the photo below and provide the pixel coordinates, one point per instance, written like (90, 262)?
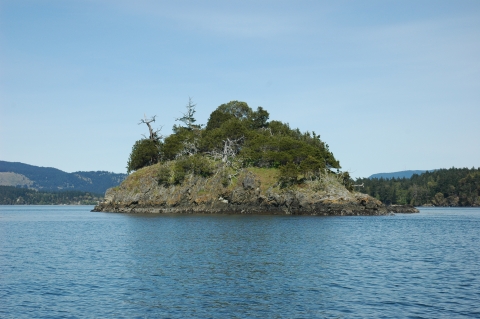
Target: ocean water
(67, 262)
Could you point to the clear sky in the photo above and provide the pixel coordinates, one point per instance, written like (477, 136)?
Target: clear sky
(389, 85)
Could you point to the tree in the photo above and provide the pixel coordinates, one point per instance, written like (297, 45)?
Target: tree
(217, 118)
(311, 167)
(187, 117)
(259, 118)
(145, 152)
(175, 143)
(228, 152)
(240, 110)
(443, 187)
(153, 133)
(288, 174)
(235, 137)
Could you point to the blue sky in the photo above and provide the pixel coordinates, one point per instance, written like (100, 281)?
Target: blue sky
(389, 85)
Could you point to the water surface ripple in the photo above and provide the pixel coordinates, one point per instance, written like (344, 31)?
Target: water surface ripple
(67, 262)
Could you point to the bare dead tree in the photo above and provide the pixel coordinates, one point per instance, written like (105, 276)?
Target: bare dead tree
(228, 156)
(228, 152)
(154, 136)
(189, 148)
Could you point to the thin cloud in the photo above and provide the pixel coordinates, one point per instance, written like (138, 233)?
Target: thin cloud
(217, 20)
(236, 24)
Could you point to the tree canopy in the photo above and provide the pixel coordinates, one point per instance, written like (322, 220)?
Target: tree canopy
(443, 187)
(10, 195)
(144, 152)
(235, 130)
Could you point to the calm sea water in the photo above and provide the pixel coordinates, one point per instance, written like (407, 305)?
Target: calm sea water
(67, 262)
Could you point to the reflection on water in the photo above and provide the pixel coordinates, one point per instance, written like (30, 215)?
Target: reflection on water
(69, 262)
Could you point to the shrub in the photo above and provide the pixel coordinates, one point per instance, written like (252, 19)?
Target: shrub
(164, 175)
(174, 143)
(288, 175)
(145, 152)
(196, 165)
(224, 177)
(346, 180)
(178, 174)
(311, 167)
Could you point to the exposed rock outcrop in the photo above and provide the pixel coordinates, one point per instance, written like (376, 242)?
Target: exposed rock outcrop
(403, 209)
(141, 193)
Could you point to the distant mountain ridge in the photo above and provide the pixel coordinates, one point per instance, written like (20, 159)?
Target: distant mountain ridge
(401, 174)
(52, 179)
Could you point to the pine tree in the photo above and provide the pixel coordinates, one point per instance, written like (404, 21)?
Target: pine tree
(187, 117)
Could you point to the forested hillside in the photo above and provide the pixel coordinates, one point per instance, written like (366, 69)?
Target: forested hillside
(10, 195)
(443, 187)
(401, 174)
(52, 179)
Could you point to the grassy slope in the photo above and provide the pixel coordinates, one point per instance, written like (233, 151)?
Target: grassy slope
(205, 189)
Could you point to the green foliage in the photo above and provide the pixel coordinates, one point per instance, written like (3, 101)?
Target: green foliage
(279, 128)
(311, 167)
(277, 144)
(178, 174)
(235, 131)
(288, 175)
(188, 117)
(444, 187)
(213, 139)
(173, 144)
(239, 110)
(258, 119)
(346, 180)
(164, 175)
(263, 143)
(225, 180)
(51, 179)
(10, 195)
(217, 118)
(266, 150)
(196, 165)
(145, 152)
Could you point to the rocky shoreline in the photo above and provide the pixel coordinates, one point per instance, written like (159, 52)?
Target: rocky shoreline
(143, 194)
(402, 209)
(286, 204)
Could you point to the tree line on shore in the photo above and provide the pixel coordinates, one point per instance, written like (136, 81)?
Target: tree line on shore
(10, 195)
(444, 187)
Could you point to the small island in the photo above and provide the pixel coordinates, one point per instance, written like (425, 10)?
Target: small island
(238, 163)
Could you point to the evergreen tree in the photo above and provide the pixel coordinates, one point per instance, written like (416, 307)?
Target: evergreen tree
(144, 152)
(188, 117)
(443, 187)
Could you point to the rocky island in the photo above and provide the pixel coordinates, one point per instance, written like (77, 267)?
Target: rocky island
(239, 163)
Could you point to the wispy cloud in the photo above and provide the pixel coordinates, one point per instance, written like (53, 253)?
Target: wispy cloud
(236, 24)
(428, 40)
(218, 18)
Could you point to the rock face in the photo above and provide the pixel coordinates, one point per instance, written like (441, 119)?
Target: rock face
(141, 193)
(403, 209)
